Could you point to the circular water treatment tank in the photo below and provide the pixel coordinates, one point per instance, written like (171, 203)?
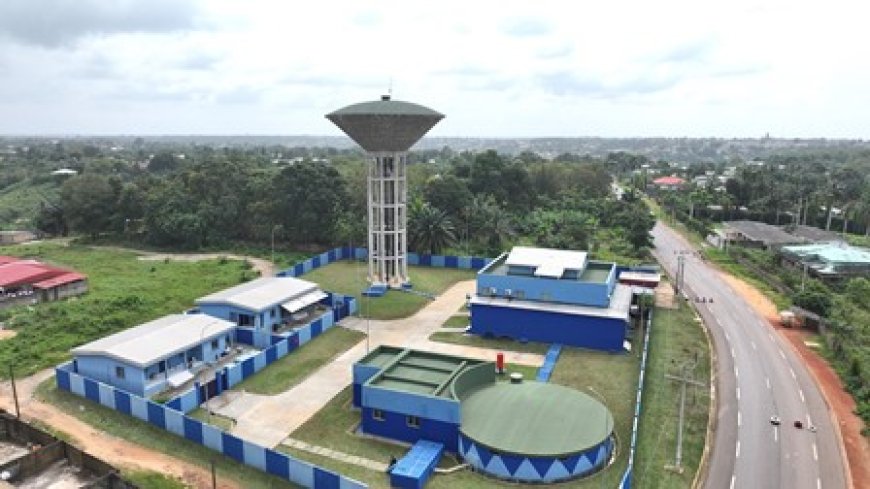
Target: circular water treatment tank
(535, 432)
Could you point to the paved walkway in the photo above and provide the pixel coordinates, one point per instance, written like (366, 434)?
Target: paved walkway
(268, 420)
(336, 455)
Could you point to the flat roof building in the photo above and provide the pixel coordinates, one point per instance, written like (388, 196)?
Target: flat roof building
(148, 358)
(552, 296)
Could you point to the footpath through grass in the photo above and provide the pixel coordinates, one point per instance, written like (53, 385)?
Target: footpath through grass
(123, 292)
(676, 337)
(349, 278)
(147, 435)
(295, 367)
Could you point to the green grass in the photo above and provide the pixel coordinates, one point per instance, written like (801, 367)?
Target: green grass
(349, 278)
(213, 418)
(674, 339)
(124, 292)
(293, 368)
(724, 261)
(153, 480)
(149, 436)
(19, 203)
(458, 322)
(614, 376)
(459, 338)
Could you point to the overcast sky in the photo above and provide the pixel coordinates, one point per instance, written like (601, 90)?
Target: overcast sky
(496, 69)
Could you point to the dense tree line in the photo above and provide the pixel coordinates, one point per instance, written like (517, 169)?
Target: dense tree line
(467, 202)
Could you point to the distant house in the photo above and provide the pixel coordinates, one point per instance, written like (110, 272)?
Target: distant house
(160, 354)
(30, 281)
(669, 183)
(753, 234)
(829, 261)
(15, 237)
(265, 305)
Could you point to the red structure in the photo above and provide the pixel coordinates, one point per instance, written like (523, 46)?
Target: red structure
(30, 281)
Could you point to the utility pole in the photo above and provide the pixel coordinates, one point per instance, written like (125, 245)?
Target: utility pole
(685, 379)
(14, 393)
(213, 475)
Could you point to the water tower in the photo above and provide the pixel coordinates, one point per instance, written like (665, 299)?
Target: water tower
(386, 129)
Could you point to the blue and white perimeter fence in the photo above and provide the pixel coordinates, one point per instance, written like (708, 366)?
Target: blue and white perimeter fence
(169, 419)
(171, 416)
(231, 375)
(347, 253)
(626, 478)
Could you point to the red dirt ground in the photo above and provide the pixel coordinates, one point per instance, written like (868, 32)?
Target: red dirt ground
(841, 403)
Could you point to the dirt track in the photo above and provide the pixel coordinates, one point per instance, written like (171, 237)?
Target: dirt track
(842, 404)
(114, 450)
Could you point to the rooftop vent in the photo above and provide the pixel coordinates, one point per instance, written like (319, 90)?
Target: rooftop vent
(385, 97)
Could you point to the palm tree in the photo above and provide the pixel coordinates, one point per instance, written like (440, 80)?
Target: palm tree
(429, 229)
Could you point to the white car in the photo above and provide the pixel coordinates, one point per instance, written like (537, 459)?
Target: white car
(774, 420)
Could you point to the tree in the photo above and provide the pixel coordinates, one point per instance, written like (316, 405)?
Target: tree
(814, 297)
(88, 201)
(449, 194)
(163, 162)
(429, 229)
(309, 198)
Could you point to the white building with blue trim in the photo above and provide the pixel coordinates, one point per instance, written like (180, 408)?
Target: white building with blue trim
(160, 354)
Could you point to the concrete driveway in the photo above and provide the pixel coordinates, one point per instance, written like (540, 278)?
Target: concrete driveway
(267, 420)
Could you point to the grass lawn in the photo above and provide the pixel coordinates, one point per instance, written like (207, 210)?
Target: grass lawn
(349, 278)
(460, 338)
(458, 322)
(614, 376)
(153, 480)
(293, 368)
(724, 261)
(136, 431)
(124, 292)
(675, 338)
(213, 419)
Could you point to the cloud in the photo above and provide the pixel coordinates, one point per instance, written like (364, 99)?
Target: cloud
(568, 84)
(239, 95)
(689, 52)
(527, 27)
(199, 61)
(367, 18)
(56, 23)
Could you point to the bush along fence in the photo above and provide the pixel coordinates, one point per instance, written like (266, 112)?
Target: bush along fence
(347, 253)
(270, 461)
(282, 345)
(626, 478)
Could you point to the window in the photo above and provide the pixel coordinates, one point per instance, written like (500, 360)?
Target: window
(413, 421)
(119, 372)
(377, 415)
(214, 344)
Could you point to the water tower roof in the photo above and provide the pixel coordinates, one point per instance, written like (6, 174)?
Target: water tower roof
(385, 125)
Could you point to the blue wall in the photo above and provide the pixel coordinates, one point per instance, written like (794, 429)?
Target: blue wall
(395, 426)
(626, 478)
(535, 469)
(164, 417)
(103, 370)
(548, 327)
(546, 289)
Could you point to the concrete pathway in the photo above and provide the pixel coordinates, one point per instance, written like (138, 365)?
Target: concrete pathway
(336, 455)
(268, 420)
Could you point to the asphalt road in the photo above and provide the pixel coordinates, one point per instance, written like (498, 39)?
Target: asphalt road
(758, 376)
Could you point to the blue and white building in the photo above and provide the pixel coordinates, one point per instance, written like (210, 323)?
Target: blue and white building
(552, 296)
(266, 305)
(160, 354)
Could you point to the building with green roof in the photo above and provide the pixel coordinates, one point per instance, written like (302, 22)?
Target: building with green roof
(829, 261)
(524, 431)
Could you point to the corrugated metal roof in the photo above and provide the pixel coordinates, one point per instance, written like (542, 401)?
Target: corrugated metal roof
(261, 293)
(25, 272)
(62, 279)
(832, 252)
(156, 340)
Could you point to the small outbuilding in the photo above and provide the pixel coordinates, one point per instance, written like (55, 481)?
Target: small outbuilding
(30, 281)
(160, 354)
(265, 306)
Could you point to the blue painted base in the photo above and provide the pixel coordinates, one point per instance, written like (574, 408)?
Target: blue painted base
(375, 291)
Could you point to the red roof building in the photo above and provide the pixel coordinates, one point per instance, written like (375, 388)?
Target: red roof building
(671, 181)
(30, 281)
